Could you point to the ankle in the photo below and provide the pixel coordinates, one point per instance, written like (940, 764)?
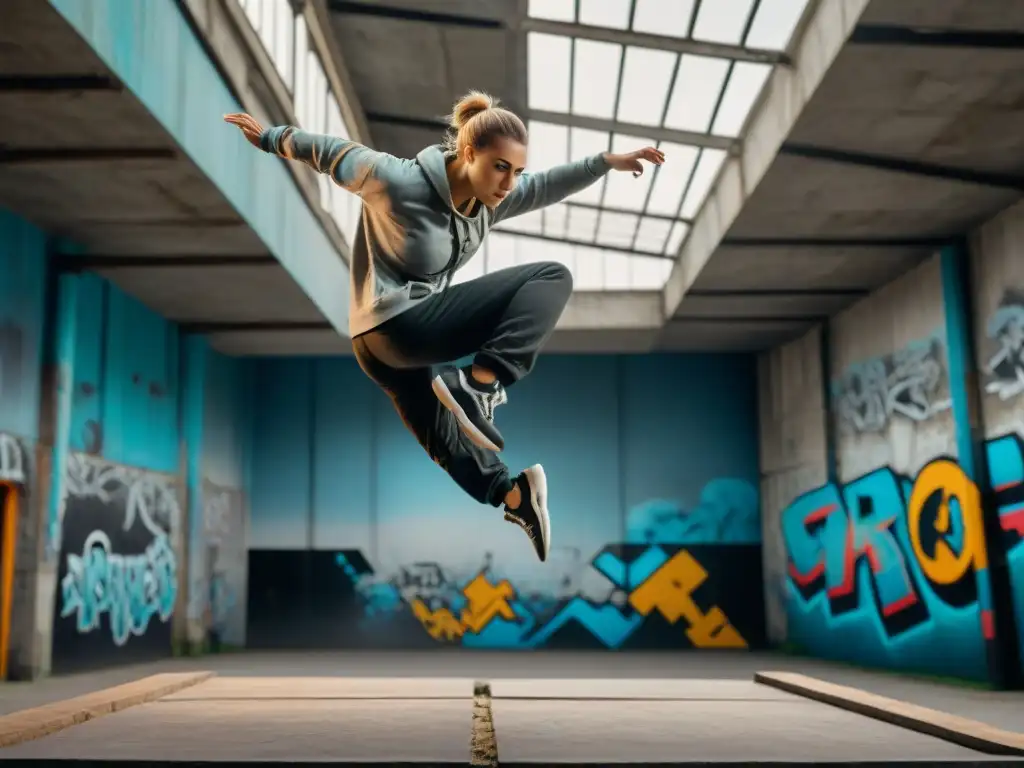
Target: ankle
(514, 497)
(482, 375)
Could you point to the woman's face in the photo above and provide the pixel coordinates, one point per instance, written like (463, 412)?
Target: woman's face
(494, 171)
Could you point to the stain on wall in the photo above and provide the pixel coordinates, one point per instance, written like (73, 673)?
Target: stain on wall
(794, 457)
(644, 490)
(219, 593)
(218, 432)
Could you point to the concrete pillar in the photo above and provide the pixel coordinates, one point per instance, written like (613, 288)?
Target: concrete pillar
(993, 578)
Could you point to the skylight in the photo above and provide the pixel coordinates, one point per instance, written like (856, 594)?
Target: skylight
(616, 75)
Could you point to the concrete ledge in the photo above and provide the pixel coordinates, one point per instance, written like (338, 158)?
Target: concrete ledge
(959, 730)
(41, 721)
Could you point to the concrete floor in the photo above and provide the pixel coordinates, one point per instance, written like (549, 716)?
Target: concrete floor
(562, 707)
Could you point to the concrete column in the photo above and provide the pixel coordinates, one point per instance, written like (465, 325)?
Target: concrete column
(32, 645)
(993, 578)
(194, 359)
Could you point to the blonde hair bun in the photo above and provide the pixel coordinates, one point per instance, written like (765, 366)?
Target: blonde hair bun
(469, 106)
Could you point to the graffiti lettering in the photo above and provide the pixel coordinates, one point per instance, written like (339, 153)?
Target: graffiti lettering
(130, 589)
(906, 383)
(485, 601)
(670, 591)
(927, 532)
(487, 611)
(1005, 369)
(440, 624)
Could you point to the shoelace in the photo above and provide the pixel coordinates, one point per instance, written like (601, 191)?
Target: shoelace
(491, 400)
(521, 523)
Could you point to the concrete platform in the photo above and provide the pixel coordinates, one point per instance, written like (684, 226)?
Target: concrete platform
(240, 720)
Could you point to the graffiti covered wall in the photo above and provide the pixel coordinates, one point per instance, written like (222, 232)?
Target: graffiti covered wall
(118, 572)
(998, 283)
(358, 539)
(882, 565)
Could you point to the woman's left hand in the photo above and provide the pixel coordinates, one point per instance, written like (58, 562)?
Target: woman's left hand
(631, 160)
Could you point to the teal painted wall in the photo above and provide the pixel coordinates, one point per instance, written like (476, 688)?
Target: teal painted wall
(22, 291)
(644, 454)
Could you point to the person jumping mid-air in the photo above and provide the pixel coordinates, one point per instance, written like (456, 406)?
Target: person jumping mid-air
(422, 220)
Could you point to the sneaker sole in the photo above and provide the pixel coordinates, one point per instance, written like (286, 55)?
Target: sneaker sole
(536, 475)
(444, 395)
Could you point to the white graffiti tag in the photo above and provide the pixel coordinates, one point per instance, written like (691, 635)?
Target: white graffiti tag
(904, 384)
(131, 589)
(1005, 369)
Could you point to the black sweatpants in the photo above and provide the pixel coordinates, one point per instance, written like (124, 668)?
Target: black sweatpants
(504, 319)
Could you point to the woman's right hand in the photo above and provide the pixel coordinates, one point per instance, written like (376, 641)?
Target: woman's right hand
(248, 125)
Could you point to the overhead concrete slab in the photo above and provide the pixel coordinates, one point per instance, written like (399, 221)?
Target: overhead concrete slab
(85, 159)
(805, 267)
(911, 136)
(218, 293)
(816, 198)
(952, 106)
(447, 49)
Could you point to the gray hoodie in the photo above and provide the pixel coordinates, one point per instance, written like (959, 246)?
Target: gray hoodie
(410, 240)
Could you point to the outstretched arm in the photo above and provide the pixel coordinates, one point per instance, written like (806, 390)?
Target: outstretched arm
(544, 188)
(349, 164)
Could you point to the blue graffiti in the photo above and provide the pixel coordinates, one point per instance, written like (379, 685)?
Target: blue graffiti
(726, 513)
(607, 623)
(1006, 470)
(828, 532)
(856, 589)
(131, 589)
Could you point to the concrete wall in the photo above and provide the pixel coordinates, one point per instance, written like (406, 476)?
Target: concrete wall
(997, 260)
(875, 522)
(94, 383)
(358, 539)
(793, 454)
(23, 264)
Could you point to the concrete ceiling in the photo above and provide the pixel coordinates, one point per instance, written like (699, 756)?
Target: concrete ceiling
(82, 159)
(914, 136)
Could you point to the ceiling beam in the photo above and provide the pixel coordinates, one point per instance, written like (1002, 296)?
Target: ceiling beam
(258, 326)
(57, 83)
(903, 165)
(658, 42)
(82, 155)
(409, 14)
(775, 293)
(499, 230)
(74, 263)
(693, 138)
(835, 242)
(911, 37)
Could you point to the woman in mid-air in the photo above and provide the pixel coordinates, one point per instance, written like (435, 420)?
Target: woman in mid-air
(422, 220)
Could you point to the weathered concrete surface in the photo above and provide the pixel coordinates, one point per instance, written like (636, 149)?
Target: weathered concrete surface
(959, 730)
(410, 730)
(30, 724)
(290, 688)
(678, 731)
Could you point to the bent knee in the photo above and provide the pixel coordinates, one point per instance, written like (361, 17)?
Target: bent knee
(556, 272)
